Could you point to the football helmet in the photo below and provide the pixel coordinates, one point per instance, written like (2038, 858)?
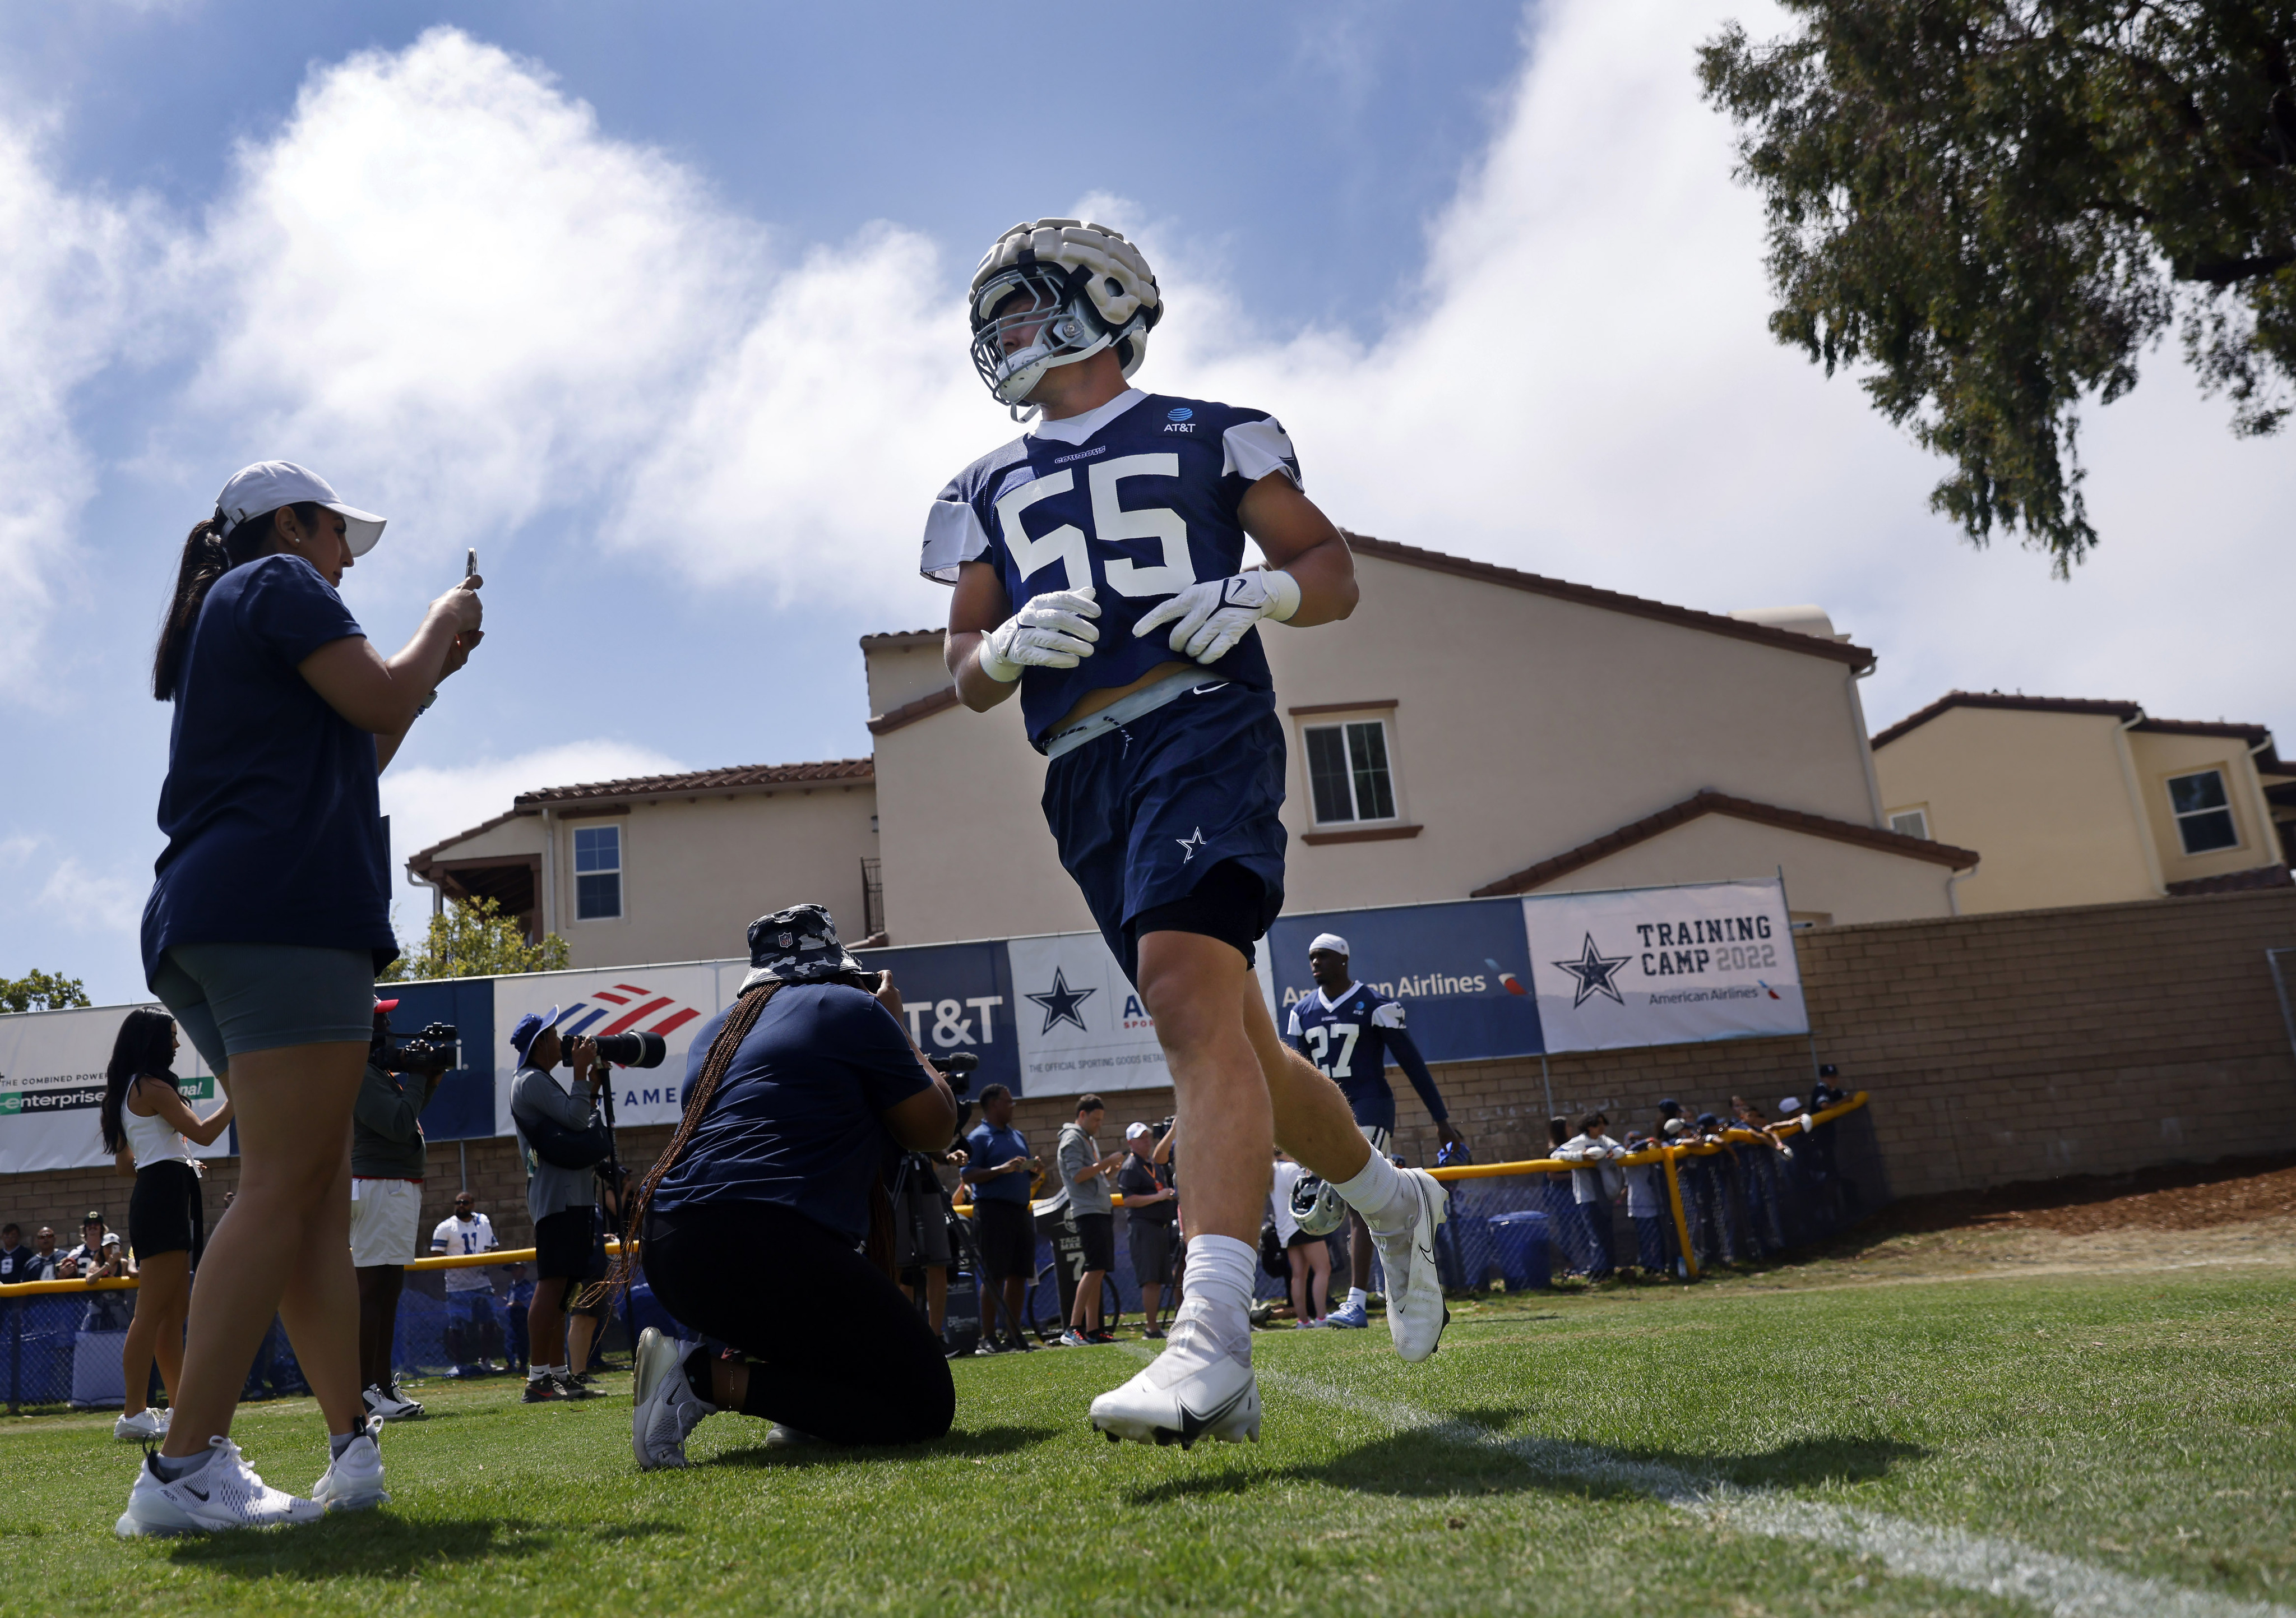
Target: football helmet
(1316, 1206)
(1087, 288)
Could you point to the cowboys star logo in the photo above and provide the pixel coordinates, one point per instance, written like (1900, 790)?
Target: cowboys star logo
(1061, 1003)
(1594, 972)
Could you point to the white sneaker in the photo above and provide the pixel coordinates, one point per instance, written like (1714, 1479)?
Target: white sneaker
(1191, 1390)
(391, 1407)
(1415, 1315)
(664, 1408)
(146, 1423)
(353, 1481)
(225, 1493)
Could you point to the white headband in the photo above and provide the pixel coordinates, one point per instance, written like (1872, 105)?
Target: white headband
(1332, 941)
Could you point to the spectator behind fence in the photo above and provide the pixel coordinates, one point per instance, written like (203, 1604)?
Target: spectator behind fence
(564, 1141)
(1084, 1173)
(46, 1263)
(15, 1255)
(1760, 1162)
(268, 918)
(146, 1125)
(89, 1254)
(470, 1290)
(999, 1169)
(1308, 1256)
(1646, 1205)
(1149, 1207)
(795, 1095)
(109, 1310)
(1595, 1188)
(387, 1167)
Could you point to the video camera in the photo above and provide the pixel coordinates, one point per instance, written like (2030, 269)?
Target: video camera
(435, 1049)
(957, 1068)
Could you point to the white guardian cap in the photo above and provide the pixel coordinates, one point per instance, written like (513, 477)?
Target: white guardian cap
(1087, 288)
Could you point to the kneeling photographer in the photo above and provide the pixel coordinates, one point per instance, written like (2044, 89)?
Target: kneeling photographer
(754, 1217)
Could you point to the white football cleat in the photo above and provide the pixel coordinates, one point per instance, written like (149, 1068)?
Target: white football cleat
(663, 1406)
(1415, 1315)
(145, 1423)
(225, 1493)
(1190, 1391)
(353, 1481)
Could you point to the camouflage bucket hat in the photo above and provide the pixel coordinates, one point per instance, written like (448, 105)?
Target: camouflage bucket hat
(799, 945)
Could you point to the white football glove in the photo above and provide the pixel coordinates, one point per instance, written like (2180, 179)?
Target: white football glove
(1215, 614)
(1051, 632)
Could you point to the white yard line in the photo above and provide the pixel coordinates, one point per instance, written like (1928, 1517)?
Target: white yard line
(2057, 1585)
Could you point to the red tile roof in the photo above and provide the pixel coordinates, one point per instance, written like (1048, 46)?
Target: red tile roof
(2128, 713)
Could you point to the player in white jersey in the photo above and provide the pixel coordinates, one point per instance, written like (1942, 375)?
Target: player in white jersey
(1098, 566)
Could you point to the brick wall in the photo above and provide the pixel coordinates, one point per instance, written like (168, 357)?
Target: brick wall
(2007, 1046)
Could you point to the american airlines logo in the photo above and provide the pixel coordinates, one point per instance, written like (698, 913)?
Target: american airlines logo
(622, 1008)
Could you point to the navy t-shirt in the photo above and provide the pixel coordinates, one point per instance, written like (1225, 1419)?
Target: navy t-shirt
(273, 826)
(990, 1145)
(794, 1121)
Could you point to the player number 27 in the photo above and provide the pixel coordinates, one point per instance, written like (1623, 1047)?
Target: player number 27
(1066, 544)
(1343, 1065)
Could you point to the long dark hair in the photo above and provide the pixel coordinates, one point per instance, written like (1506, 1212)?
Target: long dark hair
(142, 1049)
(208, 556)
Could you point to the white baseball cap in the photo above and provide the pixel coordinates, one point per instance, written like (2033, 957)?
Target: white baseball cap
(268, 485)
(1332, 941)
(1135, 1131)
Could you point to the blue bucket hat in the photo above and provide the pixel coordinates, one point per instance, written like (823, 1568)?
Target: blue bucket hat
(523, 1032)
(798, 945)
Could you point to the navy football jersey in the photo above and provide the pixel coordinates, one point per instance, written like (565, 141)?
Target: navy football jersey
(1351, 1040)
(1138, 497)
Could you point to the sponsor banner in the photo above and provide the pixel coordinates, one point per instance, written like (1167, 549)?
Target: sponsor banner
(671, 1001)
(1459, 970)
(1081, 1026)
(52, 1067)
(958, 997)
(1664, 965)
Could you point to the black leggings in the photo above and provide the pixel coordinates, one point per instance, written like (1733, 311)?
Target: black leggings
(834, 1348)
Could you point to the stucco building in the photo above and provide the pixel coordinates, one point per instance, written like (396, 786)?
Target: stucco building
(1470, 730)
(2081, 802)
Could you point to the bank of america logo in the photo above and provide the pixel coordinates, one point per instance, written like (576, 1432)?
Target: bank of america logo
(621, 1008)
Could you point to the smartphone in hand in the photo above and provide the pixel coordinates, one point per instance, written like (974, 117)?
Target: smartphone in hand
(470, 562)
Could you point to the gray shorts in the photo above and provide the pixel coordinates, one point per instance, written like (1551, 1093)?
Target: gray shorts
(233, 999)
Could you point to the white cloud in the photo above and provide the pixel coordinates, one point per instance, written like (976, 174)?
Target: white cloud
(427, 802)
(90, 901)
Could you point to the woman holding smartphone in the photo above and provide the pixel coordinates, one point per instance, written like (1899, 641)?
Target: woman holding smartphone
(147, 1126)
(267, 923)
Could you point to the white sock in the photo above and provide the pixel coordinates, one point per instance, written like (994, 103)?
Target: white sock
(536, 1373)
(1381, 1195)
(172, 1467)
(337, 1443)
(1356, 1298)
(1219, 1275)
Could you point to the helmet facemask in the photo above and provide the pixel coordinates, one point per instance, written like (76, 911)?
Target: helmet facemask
(1057, 325)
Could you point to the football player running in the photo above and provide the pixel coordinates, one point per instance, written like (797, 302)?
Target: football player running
(1098, 565)
(1350, 1030)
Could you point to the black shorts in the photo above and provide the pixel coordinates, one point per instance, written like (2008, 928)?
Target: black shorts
(920, 1231)
(1153, 1252)
(166, 1213)
(1300, 1238)
(567, 1247)
(1007, 1234)
(1097, 1232)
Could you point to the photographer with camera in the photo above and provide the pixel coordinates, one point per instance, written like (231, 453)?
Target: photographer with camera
(387, 1166)
(796, 1094)
(563, 1140)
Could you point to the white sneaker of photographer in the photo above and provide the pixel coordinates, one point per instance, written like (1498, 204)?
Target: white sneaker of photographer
(664, 1407)
(1194, 1389)
(146, 1423)
(225, 1493)
(353, 1481)
(1415, 1315)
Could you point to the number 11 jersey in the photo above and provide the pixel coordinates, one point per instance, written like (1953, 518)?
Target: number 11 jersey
(1138, 497)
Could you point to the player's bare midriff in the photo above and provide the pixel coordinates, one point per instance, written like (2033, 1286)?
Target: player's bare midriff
(1093, 702)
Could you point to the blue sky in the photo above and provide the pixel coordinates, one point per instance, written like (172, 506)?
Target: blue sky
(657, 308)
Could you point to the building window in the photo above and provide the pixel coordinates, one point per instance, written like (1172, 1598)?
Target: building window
(2204, 812)
(597, 873)
(1911, 823)
(1348, 772)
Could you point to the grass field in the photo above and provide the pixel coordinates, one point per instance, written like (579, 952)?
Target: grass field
(2109, 1443)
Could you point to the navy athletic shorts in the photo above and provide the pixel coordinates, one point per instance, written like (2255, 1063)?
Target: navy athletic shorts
(1143, 813)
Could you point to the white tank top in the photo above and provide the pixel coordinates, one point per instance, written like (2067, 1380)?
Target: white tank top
(153, 1139)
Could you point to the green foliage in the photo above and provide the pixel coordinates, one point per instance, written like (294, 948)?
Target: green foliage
(1996, 204)
(39, 990)
(473, 939)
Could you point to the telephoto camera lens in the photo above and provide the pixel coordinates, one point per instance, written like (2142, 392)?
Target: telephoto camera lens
(632, 1050)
